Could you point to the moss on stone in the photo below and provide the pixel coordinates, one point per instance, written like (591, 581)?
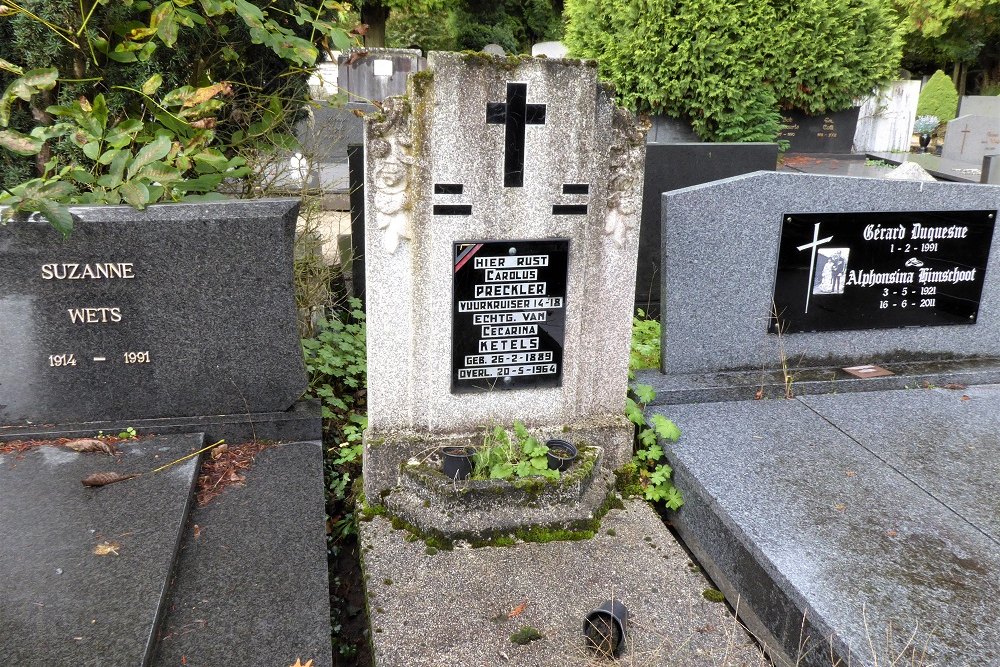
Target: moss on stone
(525, 635)
(713, 595)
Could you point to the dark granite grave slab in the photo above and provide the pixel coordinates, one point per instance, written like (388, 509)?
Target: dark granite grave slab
(678, 165)
(200, 320)
(823, 133)
(252, 585)
(301, 422)
(356, 166)
(944, 440)
(60, 602)
(795, 519)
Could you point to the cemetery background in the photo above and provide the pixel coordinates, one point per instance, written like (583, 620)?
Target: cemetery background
(339, 479)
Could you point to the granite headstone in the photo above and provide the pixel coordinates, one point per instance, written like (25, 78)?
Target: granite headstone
(178, 310)
(670, 166)
(969, 138)
(722, 271)
(825, 133)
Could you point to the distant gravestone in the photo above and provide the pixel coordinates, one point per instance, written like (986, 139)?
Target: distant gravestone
(680, 165)
(549, 50)
(502, 210)
(826, 133)
(494, 50)
(371, 75)
(849, 270)
(969, 138)
(179, 310)
(979, 105)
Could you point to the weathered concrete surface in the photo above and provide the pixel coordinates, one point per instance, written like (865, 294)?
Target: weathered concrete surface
(859, 512)
(452, 607)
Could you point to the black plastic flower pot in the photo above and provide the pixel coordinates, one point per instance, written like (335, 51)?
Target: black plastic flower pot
(457, 462)
(925, 140)
(605, 627)
(561, 454)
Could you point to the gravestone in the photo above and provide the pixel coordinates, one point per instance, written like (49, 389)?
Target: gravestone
(979, 105)
(680, 165)
(502, 210)
(969, 138)
(791, 301)
(899, 271)
(176, 323)
(825, 133)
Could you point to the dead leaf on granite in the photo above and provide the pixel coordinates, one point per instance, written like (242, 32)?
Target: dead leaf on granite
(965, 398)
(105, 478)
(518, 610)
(107, 548)
(197, 531)
(298, 663)
(88, 445)
(954, 385)
(840, 507)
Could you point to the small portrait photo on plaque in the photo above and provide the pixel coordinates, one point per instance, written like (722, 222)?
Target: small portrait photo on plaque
(831, 267)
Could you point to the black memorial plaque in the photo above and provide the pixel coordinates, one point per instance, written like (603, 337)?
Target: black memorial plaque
(508, 314)
(849, 271)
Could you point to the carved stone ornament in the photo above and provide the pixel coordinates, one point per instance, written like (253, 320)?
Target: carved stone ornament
(390, 147)
(624, 185)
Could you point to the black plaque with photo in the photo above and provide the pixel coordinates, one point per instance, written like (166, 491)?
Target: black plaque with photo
(508, 314)
(849, 271)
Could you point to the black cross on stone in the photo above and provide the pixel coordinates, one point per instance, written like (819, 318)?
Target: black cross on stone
(514, 114)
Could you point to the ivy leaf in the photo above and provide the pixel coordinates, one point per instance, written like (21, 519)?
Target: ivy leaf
(634, 412)
(22, 144)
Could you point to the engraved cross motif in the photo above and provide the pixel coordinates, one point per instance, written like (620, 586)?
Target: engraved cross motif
(965, 135)
(816, 243)
(514, 114)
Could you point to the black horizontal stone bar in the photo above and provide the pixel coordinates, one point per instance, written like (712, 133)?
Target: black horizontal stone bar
(452, 209)
(569, 209)
(447, 188)
(576, 188)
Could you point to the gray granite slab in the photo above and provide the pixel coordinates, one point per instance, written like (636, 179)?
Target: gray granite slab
(720, 246)
(943, 440)
(968, 138)
(251, 585)
(300, 422)
(454, 607)
(797, 519)
(61, 603)
(947, 170)
(177, 310)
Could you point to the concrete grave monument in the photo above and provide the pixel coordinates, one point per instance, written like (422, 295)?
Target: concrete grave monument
(502, 203)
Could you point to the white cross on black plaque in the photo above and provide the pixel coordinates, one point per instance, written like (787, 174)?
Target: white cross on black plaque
(514, 114)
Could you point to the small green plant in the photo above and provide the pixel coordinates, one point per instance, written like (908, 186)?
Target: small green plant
(645, 351)
(525, 635)
(128, 433)
(925, 124)
(876, 163)
(503, 457)
(649, 460)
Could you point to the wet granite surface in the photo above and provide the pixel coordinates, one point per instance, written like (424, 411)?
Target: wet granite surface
(85, 570)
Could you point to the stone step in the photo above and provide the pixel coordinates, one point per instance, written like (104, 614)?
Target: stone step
(252, 585)
(86, 570)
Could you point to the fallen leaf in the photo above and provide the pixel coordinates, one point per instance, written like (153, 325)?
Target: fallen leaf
(965, 398)
(219, 451)
(759, 394)
(891, 533)
(184, 660)
(197, 531)
(105, 478)
(954, 385)
(87, 445)
(851, 473)
(518, 610)
(298, 663)
(106, 548)
(840, 507)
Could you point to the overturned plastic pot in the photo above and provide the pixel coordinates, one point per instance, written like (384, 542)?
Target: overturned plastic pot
(604, 628)
(456, 462)
(561, 454)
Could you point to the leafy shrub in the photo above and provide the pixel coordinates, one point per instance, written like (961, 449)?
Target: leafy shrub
(649, 460)
(109, 102)
(938, 97)
(729, 66)
(645, 350)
